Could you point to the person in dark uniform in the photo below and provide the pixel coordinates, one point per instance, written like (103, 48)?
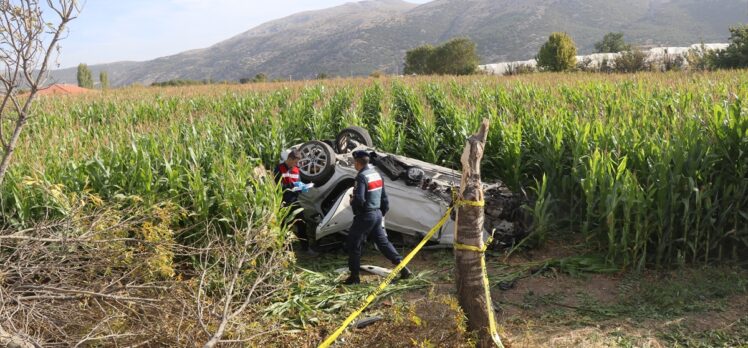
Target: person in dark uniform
(370, 204)
(287, 173)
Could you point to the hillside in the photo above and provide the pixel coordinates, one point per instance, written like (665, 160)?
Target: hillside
(357, 38)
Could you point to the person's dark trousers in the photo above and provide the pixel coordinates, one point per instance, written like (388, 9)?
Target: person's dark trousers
(300, 232)
(368, 224)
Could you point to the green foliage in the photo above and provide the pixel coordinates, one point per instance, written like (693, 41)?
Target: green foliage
(736, 54)
(371, 107)
(734, 335)
(612, 43)
(417, 60)
(631, 62)
(558, 53)
(686, 291)
(181, 82)
(541, 213)
(519, 69)
(700, 59)
(85, 79)
(315, 298)
(455, 57)
(649, 170)
(256, 79)
(670, 62)
(104, 80)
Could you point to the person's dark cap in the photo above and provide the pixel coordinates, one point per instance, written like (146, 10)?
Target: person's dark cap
(294, 154)
(360, 154)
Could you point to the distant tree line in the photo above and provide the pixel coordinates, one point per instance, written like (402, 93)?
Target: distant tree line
(459, 57)
(187, 82)
(559, 52)
(256, 79)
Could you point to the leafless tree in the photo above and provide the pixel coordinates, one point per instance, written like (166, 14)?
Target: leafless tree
(245, 272)
(473, 291)
(29, 36)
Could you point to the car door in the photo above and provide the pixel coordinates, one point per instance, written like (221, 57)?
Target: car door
(339, 218)
(413, 211)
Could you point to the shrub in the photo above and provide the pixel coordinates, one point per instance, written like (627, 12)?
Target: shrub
(519, 69)
(612, 43)
(417, 60)
(631, 61)
(736, 54)
(558, 53)
(455, 57)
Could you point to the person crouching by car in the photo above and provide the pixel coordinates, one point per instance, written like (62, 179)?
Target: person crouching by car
(370, 204)
(287, 174)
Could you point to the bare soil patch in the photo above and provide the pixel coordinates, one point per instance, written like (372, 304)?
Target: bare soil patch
(548, 307)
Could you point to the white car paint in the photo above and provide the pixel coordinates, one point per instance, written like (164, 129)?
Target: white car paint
(413, 210)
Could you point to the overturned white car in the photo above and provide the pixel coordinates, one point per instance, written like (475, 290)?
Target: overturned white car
(419, 193)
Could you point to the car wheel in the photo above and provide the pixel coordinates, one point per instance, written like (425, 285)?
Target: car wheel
(317, 163)
(351, 137)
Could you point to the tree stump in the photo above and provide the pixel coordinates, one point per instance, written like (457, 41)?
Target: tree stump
(473, 291)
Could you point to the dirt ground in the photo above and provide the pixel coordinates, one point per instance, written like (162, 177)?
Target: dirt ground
(547, 305)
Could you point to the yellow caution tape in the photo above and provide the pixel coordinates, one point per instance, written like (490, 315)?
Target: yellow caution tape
(460, 246)
(396, 271)
(471, 203)
(491, 319)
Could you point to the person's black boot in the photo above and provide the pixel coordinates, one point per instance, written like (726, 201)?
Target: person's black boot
(311, 252)
(405, 273)
(351, 280)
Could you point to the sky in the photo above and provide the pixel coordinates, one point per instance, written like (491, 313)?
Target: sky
(116, 30)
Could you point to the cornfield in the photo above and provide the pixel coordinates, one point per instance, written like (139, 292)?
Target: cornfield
(649, 169)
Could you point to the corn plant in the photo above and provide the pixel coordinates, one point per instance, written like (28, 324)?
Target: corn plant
(649, 169)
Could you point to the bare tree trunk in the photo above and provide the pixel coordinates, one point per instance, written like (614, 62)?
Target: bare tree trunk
(11, 147)
(25, 55)
(473, 290)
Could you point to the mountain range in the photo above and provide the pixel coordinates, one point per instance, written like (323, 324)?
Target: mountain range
(360, 37)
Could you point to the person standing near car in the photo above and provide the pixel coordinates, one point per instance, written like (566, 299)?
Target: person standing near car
(370, 204)
(287, 174)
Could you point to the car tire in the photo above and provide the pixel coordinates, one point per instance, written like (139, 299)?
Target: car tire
(317, 163)
(347, 139)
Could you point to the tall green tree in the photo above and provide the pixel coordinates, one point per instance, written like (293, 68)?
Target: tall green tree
(612, 43)
(85, 78)
(417, 60)
(736, 54)
(454, 57)
(104, 80)
(558, 53)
